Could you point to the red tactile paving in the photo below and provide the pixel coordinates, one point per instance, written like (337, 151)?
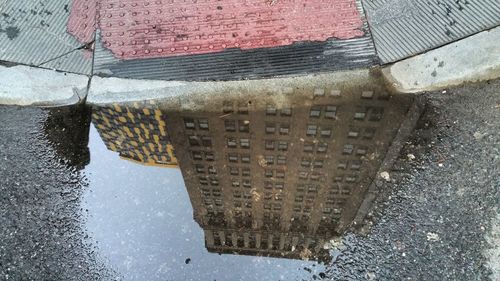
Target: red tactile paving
(81, 23)
(145, 29)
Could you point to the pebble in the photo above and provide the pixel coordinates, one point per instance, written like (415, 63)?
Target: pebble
(385, 175)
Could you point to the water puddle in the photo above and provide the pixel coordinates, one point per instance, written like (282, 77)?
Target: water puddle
(252, 186)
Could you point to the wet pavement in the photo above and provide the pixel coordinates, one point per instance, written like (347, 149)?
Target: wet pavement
(42, 233)
(252, 187)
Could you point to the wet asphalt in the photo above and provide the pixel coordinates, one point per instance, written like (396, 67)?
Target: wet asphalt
(41, 230)
(429, 223)
(431, 220)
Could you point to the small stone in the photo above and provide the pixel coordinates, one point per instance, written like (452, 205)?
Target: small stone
(410, 156)
(305, 254)
(255, 195)
(478, 136)
(262, 162)
(385, 175)
(332, 244)
(433, 237)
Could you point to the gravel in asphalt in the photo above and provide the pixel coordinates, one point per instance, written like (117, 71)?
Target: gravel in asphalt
(40, 217)
(434, 214)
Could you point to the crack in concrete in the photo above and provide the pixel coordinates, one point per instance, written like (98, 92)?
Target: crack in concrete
(87, 46)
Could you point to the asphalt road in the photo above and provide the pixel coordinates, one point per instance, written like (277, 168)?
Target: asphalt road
(41, 230)
(434, 214)
(432, 220)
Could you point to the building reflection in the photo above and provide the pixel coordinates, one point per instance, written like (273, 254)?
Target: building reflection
(267, 175)
(137, 132)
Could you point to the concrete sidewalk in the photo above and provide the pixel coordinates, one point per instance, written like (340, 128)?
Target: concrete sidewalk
(472, 59)
(72, 39)
(24, 85)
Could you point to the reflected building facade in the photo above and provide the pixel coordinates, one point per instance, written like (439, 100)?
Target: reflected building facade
(269, 175)
(136, 132)
(278, 177)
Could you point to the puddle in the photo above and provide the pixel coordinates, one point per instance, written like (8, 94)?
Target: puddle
(238, 186)
(141, 220)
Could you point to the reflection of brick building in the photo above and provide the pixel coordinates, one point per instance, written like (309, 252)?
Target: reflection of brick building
(137, 132)
(274, 177)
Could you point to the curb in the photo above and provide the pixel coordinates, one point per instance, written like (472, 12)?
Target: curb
(472, 59)
(475, 58)
(25, 85)
(112, 90)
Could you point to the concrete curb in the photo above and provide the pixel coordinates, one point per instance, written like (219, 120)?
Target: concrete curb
(471, 59)
(111, 90)
(475, 58)
(24, 85)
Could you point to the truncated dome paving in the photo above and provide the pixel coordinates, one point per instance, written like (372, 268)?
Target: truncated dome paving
(162, 28)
